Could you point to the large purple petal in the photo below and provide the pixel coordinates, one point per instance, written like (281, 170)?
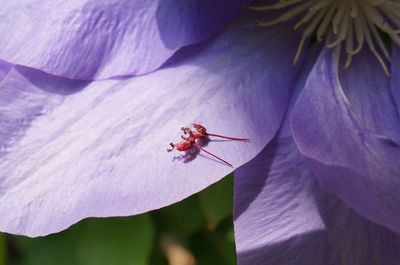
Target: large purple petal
(72, 149)
(283, 217)
(349, 131)
(103, 38)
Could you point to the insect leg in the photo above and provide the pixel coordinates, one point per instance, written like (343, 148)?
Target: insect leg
(220, 159)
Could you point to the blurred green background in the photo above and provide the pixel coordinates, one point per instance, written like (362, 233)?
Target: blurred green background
(197, 230)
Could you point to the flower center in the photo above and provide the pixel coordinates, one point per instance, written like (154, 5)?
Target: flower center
(354, 23)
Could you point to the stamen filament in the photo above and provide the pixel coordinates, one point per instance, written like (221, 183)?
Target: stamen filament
(354, 22)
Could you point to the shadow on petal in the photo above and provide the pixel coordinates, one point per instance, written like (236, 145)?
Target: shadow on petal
(299, 250)
(52, 84)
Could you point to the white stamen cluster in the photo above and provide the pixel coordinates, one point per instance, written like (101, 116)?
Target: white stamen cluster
(354, 23)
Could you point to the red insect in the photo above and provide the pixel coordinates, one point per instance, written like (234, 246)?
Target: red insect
(200, 132)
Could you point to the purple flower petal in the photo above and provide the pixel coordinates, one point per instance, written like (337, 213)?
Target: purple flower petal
(103, 38)
(274, 209)
(74, 149)
(353, 240)
(276, 218)
(4, 69)
(395, 81)
(283, 217)
(349, 131)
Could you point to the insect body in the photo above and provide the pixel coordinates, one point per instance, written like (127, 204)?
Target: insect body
(200, 132)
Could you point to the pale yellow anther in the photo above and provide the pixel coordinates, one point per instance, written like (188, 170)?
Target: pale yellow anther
(357, 23)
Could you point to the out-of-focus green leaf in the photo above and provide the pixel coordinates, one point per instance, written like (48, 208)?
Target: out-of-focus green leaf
(54, 249)
(180, 220)
(223, 240)
(123, 241)
(230, 236)
(217, 200)
(112, 241)
(215, 246)
(204, 250)
(3, 254)
(158, 257)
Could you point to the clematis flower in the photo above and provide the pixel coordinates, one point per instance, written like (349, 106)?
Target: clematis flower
(318, 184)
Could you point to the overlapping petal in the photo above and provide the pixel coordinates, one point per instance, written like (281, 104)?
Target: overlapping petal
(103, 38)
(274, 209)
(73, 149)
(348, 128)
(276, 218)
(282, 216)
